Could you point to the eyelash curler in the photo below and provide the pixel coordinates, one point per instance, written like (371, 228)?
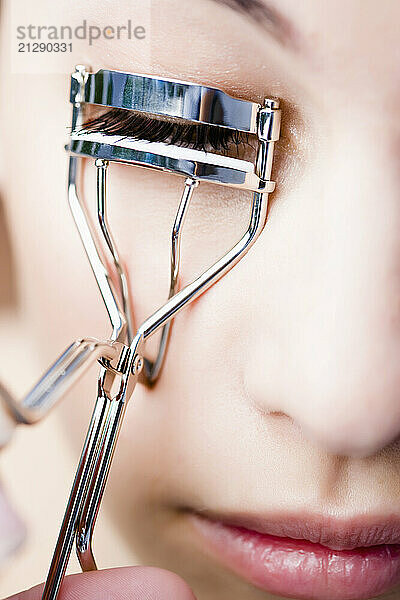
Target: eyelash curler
(122, 358)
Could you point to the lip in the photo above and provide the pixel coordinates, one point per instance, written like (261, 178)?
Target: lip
(310, 558)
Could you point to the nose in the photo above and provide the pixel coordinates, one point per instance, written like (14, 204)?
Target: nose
(327, 347)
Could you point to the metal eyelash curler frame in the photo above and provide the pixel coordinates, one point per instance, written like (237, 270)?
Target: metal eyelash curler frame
(122, 357)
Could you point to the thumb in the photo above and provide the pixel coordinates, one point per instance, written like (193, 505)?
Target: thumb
(128, 583)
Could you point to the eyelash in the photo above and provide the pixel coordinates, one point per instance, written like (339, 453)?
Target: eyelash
(117, 121)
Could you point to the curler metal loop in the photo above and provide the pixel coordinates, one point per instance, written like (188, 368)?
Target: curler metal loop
(212, 274)
(95, 256)
(152, 370)
(57, 380)
(124, 291)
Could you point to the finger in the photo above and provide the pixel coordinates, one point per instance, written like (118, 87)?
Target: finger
(127, 583)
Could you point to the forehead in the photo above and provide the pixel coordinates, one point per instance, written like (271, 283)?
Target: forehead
(347, 47)
(339, 44)
(354, 42)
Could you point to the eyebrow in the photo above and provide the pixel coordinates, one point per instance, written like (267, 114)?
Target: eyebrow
(262, 13)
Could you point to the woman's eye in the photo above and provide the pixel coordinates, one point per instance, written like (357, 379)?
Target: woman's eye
(207, 138)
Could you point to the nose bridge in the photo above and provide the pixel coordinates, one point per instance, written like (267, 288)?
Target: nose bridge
(341, 380)
(351, 366)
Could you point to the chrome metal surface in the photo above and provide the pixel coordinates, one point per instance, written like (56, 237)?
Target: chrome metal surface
(55, 382)
(153, 369)
(95, 254)
(124, 291)
(212, 274)
(92, 472)
(201, 166)
(166, 97)
(187, 162)
(178, 100)
(269, 121)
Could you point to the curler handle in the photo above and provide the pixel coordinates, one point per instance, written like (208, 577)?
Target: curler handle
(55, 382)
(93, 468)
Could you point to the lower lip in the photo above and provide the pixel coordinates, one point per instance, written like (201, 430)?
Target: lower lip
(302, 569)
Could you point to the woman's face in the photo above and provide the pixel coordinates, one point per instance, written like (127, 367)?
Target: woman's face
(279, 404)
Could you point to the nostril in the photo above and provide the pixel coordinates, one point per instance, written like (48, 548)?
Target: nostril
(343, 396)
(267, 411)
(272, 413)
(351, 428)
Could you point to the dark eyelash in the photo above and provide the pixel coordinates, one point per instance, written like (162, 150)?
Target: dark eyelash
(125, 123)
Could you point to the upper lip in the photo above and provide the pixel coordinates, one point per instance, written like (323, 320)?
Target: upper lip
(335, 533)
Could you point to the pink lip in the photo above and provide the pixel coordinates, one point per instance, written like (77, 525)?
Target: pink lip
(310, 559)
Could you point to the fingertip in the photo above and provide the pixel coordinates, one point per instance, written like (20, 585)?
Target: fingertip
(126, 583)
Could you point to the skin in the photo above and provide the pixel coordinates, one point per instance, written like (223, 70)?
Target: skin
(141, 583)
(281, 388)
